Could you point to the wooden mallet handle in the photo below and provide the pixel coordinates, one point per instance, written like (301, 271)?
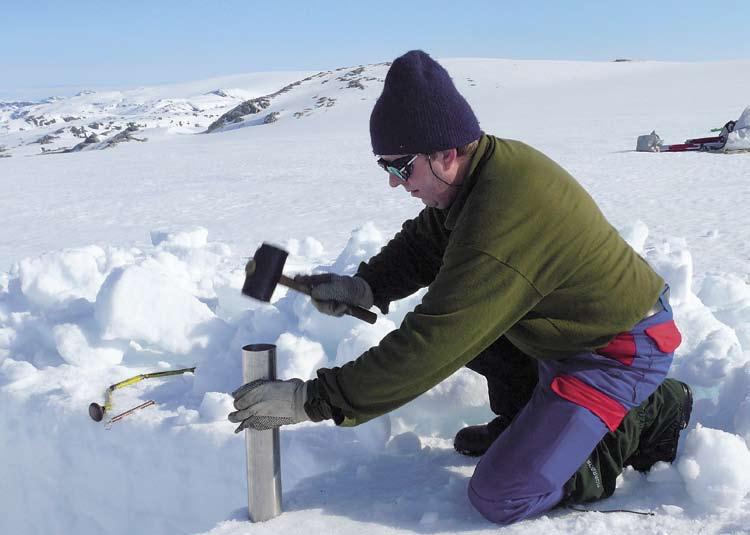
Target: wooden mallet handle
(352, 310)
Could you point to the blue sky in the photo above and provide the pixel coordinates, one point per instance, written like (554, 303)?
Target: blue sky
(61, 47)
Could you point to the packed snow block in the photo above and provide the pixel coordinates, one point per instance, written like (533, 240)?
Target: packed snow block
(459, 400)
(264, 324)
(374, 434)
(297, 356)
(733, 412)
(137, 304)
(186, 257)
(215, 407)
(7, 336)
(228, 290)
(364, 242)
(673, 261)
(710, 348)
(407, 443)
(17, 371)
(724, 290)
(55, 278)
(74, 347)
(361, 338)
(636, 235)
(193, 271)
(729, 298)
(189, 239)
(309, 247)
(742, 420)
(715, 481)
(714, 357)
(324, 329)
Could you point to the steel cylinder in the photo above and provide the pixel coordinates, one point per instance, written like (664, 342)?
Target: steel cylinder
(262, 447)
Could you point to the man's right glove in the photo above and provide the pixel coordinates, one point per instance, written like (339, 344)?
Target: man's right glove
(333, 294)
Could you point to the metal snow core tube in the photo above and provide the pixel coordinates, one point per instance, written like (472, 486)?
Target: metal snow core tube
(262, 447)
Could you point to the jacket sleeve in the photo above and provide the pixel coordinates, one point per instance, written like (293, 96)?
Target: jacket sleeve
(473, 300)
(408, 262)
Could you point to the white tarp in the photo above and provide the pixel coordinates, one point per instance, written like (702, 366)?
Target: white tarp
(739, 138)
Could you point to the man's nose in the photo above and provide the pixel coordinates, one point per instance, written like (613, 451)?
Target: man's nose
(394, 181)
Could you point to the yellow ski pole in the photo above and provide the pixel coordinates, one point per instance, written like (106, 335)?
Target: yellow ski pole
(97, 411)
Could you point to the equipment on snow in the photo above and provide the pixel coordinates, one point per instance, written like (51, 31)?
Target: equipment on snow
(265, 270)
(129, 411)
(262, 447)
(734, 136)
(97, 411)
(649, 143)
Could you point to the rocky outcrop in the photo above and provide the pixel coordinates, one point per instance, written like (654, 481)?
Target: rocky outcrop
(78, 131)
(325, 101)
(45, 140)
(37, 120)
(93, 139)
(123, 137)
(236, 114)
(256, 105)
(219, 93)
(271, 118)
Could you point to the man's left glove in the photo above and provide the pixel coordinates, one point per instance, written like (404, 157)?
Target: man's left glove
(265, 404)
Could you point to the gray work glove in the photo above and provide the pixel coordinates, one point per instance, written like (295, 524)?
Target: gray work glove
(265, 404)
(333, 294)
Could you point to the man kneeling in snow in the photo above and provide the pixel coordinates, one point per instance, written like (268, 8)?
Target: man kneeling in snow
(528, 284)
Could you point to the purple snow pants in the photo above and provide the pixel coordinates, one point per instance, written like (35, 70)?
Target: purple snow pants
(576, 402)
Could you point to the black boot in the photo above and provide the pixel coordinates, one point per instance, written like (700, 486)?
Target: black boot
(658, 441)
(511, 378)
(476, 439)
(648, 434)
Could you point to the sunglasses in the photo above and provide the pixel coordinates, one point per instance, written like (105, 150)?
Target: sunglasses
(401, 168)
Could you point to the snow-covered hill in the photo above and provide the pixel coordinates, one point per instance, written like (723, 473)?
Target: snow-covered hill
(94, 120)
(131, 260)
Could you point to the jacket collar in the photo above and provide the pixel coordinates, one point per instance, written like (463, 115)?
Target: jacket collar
(484, 150)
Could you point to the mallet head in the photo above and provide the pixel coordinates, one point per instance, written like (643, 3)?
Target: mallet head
(96, 412)
(263, 271)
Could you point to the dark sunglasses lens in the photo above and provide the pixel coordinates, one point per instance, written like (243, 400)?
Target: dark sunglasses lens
(401, 175)
(400, 168)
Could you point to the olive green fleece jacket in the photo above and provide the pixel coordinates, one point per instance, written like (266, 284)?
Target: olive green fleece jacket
(523, 251)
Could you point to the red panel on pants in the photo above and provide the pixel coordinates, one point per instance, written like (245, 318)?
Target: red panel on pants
(622, 349)
(666, 336)
(576, 391)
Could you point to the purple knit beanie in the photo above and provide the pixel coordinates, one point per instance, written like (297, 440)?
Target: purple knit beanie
(420, 110)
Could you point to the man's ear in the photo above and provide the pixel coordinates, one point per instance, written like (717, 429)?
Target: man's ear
(446, 158)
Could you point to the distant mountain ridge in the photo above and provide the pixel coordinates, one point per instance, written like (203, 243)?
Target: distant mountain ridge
(94, 120)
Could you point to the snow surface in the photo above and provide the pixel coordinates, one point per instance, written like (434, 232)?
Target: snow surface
(131, 260)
